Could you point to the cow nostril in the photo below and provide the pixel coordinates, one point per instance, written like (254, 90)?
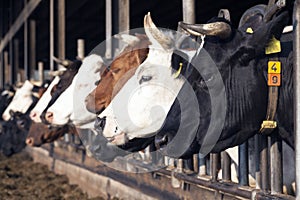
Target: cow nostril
(49, 116)
(161, 141)
(100, 123)
(29, 141)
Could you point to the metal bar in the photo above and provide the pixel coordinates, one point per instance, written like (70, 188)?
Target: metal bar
(202, 165)
(11, 62)
(51, 35)
(1, 70)
(226, 169)
(6, 67)
(243, 164)
(296, 47)
(32, 47)
(257, 161)
(108, 29)
(264, 164)
(276, 163)
(26, 70)
(124, 16)
(80, 49)
(16, 59)
(214, 159)
(188, 11)
(41, 71)
(11, 45)
(26, 12)
(61, 30)
(195, 163)
(180, 165)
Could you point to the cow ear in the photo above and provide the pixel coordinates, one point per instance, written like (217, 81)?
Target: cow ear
(263, 35)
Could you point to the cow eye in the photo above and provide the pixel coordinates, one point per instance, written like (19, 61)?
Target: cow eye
(97, 82)
(145, 79)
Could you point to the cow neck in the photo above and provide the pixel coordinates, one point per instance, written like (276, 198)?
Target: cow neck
(274, 79)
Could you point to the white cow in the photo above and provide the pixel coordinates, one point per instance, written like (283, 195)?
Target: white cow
(71, 102)
(141, 106)
(43, 102)
(21, 101)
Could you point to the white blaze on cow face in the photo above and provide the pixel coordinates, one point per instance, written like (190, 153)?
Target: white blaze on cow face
(43, 102)
(21, 101)
(70, 104)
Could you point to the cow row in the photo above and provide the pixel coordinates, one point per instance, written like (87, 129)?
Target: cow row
(202, 89)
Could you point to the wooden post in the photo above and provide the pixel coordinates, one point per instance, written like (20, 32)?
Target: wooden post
(51, 28)
(32, 58)
(11, 45)
(108, 29)
(188, 11)
(61, 30)
(80, 48)
(1, 70)
(16, 59)
(26, 68)
(124, 15)
(6, 68)
(41, 71)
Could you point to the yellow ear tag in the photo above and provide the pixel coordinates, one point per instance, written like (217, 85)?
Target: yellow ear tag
(249, 30)
(178, 71)
(273, 46)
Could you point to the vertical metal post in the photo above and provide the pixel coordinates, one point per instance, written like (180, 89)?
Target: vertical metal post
(108, 28)
(26, 68)
(226, 169)
(214, 159)
(296, 47)
(276, 163)
(202, 165)
(180, 165)
(195, 163)
(80, 48)
(51, 35)
(264, 163)
(124, 15)
(16, 59)
(1, 70)
(243, 164)
(257, 161)
(41, 71)
(6, 68)
(32, 58)
(11, 46)
(61, 30)
(188, 11)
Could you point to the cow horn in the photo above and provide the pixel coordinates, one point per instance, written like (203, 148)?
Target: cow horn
(156, 34)
(65, 63)
(220, 29)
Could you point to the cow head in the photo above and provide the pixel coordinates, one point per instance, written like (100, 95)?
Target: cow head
(40, 133)
(63, 83)
(231, 113)
(69, 106)
(120, 70)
